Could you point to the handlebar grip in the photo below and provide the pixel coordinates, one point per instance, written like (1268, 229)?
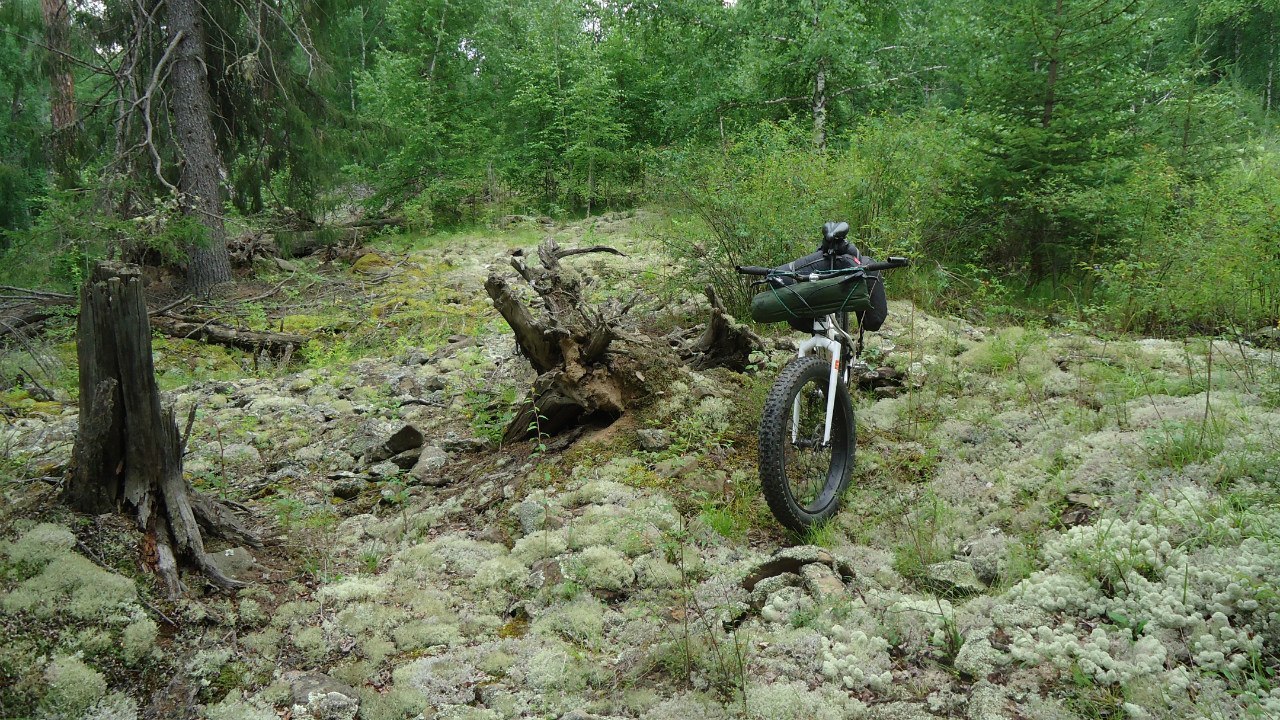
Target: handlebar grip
(753, 270)
(891, 263)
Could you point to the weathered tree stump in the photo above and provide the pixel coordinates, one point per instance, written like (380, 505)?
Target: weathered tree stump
(128, 454)
(724, 343)
(571, 346)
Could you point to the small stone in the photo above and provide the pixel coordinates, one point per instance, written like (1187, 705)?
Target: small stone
(456, 444)
(532, 517)
(425, 469)
(987, 554)
(988, 702)
(236, 563)
(955, 578)
(978, 659)
(241, 453)
(407, 437)
(822, 582)
(349, 489)
(320, 697)
(494, 533)
(653, 439)
(546, 573)
(405, 460)
(791, 560)
(385, 469)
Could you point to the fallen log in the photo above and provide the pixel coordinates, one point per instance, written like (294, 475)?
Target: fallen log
(210, 331)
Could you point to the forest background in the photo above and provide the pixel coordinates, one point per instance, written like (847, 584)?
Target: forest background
(1112, 162)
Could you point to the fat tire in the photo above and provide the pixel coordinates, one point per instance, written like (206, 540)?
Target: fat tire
(774, 438)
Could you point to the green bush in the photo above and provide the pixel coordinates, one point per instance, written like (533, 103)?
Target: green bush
(762, 198)
(71, 232)
(1213, 263)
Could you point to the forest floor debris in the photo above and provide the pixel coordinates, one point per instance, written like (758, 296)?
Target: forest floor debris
(1042, 524)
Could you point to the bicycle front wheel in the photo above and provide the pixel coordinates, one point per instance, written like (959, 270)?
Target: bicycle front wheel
(803, 477)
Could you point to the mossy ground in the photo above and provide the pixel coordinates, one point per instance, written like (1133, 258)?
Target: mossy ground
(1114, 498)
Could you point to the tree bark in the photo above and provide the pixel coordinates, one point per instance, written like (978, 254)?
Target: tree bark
(128, 454)
(62, 89)
(208, 264)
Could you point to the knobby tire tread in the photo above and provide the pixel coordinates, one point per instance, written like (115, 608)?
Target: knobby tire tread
(774, 438)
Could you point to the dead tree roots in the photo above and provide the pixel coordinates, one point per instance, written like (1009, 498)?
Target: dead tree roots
(128, 453)
(571, 345)
(589, 364)
(724, 343)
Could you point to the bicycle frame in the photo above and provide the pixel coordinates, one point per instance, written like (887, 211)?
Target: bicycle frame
(828, 342)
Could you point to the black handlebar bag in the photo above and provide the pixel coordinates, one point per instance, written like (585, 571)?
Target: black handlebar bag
(799, 306)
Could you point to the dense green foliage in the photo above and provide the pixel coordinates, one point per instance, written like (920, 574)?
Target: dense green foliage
(1092, 153)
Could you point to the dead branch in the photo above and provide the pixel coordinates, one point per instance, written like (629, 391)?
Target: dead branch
(211, 331)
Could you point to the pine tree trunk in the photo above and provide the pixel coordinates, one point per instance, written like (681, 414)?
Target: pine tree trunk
(128, 454)
(207, 262)
(62, 88)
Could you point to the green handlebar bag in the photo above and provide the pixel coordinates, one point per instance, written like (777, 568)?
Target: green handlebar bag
(815, 299)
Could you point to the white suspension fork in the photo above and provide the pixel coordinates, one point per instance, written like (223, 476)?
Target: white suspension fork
(835, 349)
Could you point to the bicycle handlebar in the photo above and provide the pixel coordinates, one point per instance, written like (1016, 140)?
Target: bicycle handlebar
(891, 263)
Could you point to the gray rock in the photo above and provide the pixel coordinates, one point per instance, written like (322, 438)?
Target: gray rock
(791, 560)
(546, 573)
(457, 444)
(532, 516)
(385, 469)
(772, 584)
(241, 453)
(350, 488)
(987, 554)
(426, 469)
(406, 460)
(407, 437)
(236, 563)
(988, 702)
(977, 658)
(1267, 337)
(320, 697)
(955, 578)
(822, 582)
(653, 439)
